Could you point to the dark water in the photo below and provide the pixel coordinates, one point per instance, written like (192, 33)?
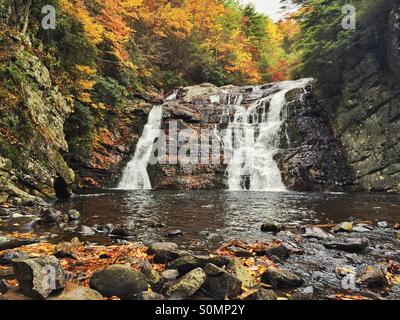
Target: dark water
(210, 218)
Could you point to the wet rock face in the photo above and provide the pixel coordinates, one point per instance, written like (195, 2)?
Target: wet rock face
(311, 157)
(313, 160)
(366, 108)
(34, 128)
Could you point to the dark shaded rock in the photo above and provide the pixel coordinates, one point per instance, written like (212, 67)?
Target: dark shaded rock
(219, 284)
(343, 227)
(348, 245)
(7, 243)
(281, 279)
(122, 232)
(273, 227)
(186, 286)
(189, 262)
(280, 251)
(154, 279)
(148, 296)
(39, 277)
(51, 216)
(263, 294)
(375, 278)
(73, 215)
(165, 251)
(170, 274)
(118, 280)
(4, 286)
(316, 233)
(8, 258)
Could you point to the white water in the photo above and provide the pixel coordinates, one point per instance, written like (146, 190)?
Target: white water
(253, 140)
(135, 174)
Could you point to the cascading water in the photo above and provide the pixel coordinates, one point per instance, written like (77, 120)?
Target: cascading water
(252, 139)
(135, 174)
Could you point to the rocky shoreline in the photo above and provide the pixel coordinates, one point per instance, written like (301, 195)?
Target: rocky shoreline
(356, 260)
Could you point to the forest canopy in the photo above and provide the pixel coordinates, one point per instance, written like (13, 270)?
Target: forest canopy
(157, 43)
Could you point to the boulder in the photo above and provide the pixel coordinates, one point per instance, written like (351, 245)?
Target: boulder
(220, 284)
(273, 227)
(7, 243)
(170, 274)
(7, 258)
(118, 280)
(51, 216)
(279, 250)
(242, 273)
(39, 277)
(187, 263)
(348, 245)
(186, 286)
(373, 278)
(122, 232)
(164, 251)
(281, 279)
(154, 279)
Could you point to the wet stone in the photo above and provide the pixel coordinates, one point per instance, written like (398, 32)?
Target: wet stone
(170, 274)
(373, 278)
(281, 279)
(273, 227)
(186, 286)
(8, 258)
(165, 252)
(34, 276)
(316, 233)
(348, 245)
(118, 280)
(220, 284)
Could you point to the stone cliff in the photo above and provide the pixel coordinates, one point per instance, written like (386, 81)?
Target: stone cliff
(362, 88)
(32, 115)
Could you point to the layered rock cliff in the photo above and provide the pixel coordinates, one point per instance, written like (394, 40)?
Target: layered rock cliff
(32, 115)
(361, 86)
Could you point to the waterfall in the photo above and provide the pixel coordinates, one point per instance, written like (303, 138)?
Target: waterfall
(135, 174)
(253, 139)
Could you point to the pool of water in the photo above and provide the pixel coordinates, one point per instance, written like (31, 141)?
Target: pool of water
(210, 218)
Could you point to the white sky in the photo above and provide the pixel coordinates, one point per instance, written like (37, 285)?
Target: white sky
(269, 7)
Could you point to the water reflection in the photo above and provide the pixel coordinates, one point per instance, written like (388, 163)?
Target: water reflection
(208, 218)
